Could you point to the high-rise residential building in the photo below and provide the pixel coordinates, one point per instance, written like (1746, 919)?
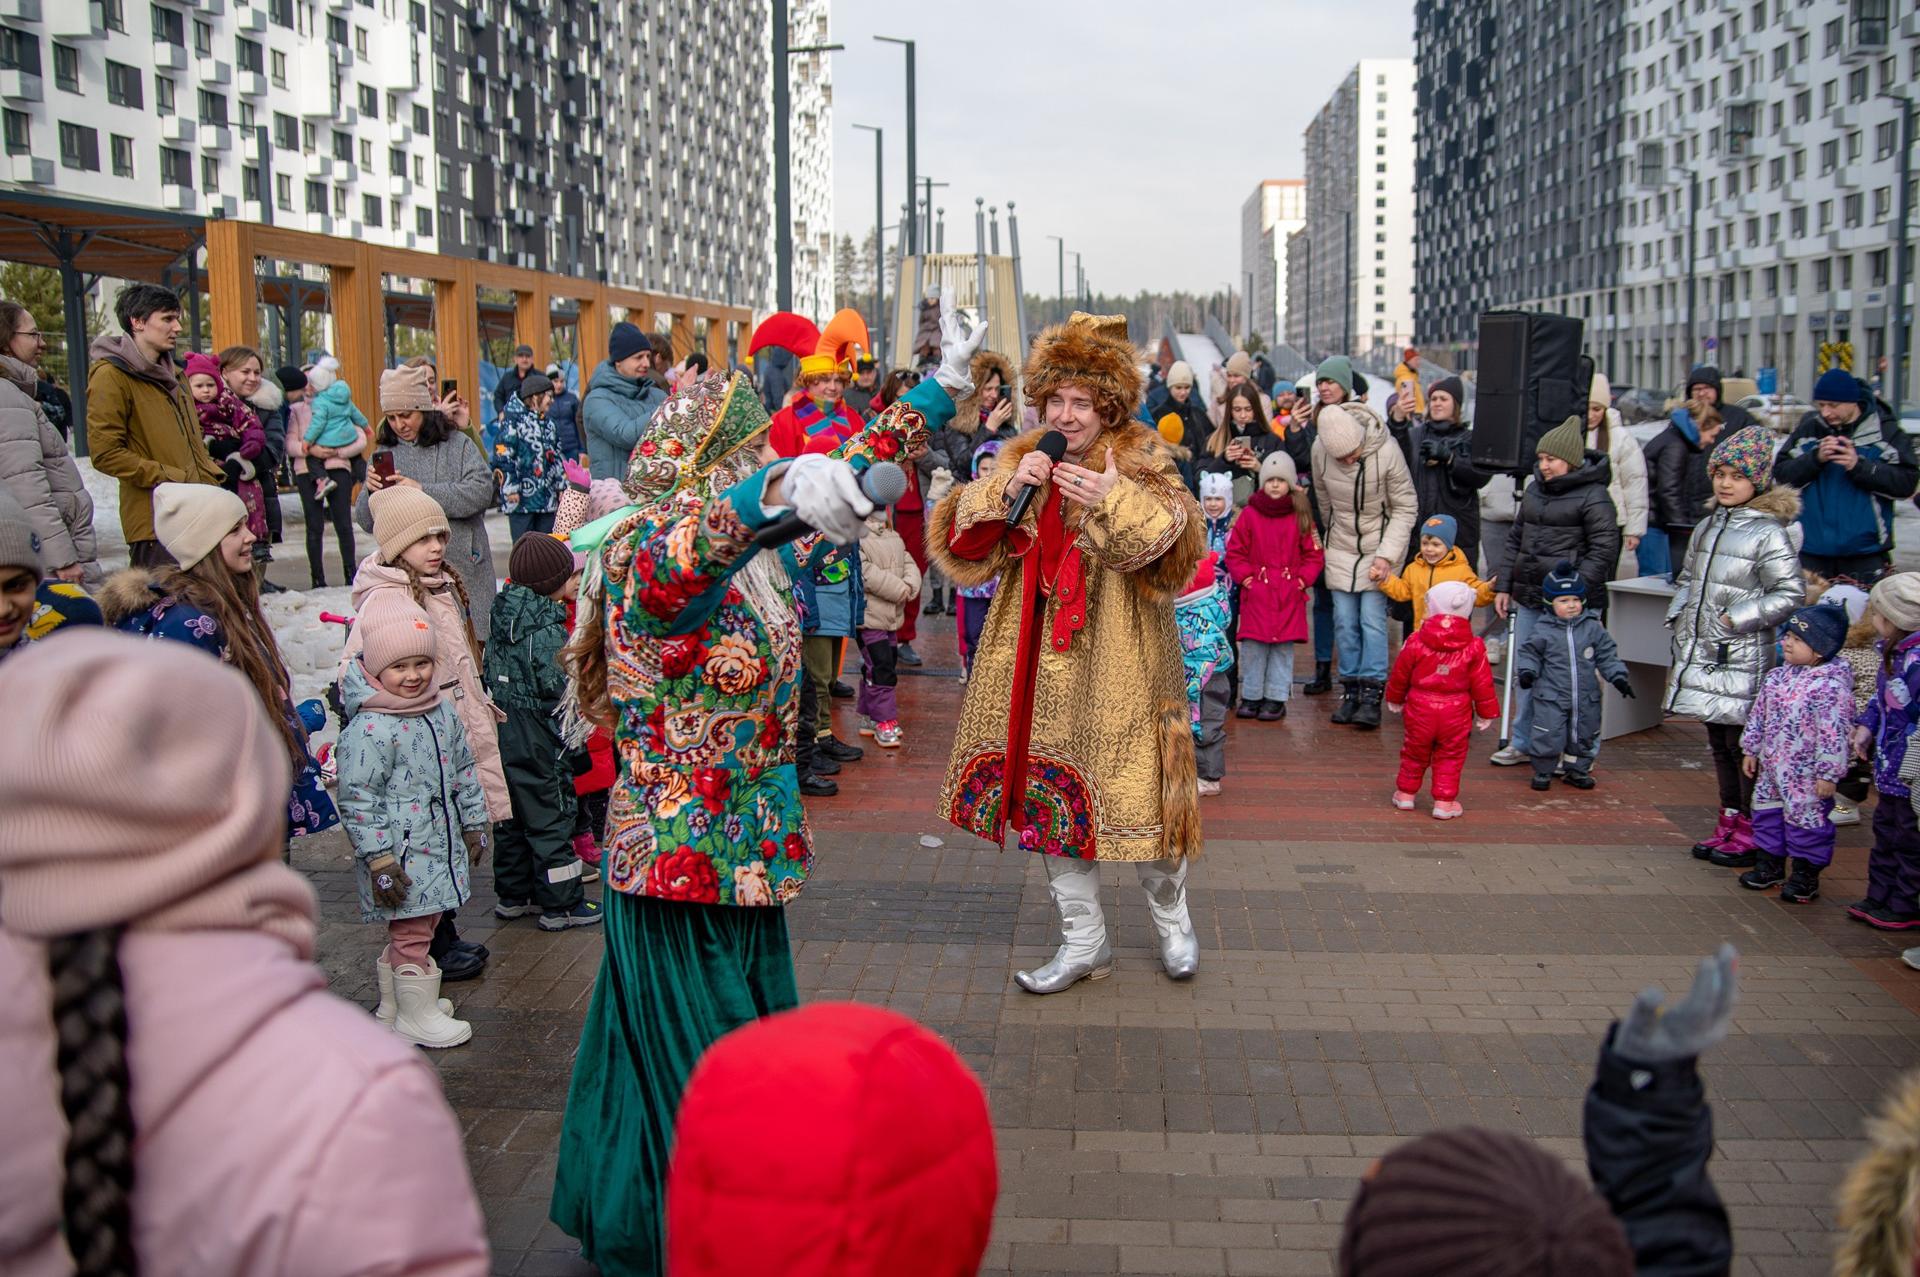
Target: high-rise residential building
(1519, 164)
(1355, 280)
(518, 120)
(810, 137)
(312, 116)
(1274, 211)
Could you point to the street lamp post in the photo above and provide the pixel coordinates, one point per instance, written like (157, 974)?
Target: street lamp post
(1693, 229)
(913, 154)
(879, 240)
(1902, 258)
(1062, 318)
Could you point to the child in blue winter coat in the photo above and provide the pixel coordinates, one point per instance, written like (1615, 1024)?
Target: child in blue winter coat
(1200, 614)
(1882, 734)
(1795, 751)
(413, 808)
(336, 422)
(1564, 661)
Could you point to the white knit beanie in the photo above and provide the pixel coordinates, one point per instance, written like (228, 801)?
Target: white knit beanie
(1897, 598)
(1341, 433)
(1181, 374)
(191, 519)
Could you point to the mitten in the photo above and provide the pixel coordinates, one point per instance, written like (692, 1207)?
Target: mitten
(1623, 687)
(1524, 678)
(221, 449)
(1648, 1035)
(476, 840)
(232, 468)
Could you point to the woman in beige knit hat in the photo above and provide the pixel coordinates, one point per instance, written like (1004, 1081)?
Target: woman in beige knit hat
(211, 600)
(432, 455)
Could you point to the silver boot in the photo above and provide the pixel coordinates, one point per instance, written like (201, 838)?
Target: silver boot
(1084, 952)
(1166, 885)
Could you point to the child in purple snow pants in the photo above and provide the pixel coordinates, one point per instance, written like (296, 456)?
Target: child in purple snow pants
(879, 676)
(1796, 746)
(1883, 734)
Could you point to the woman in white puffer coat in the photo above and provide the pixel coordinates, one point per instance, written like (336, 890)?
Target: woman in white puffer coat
(1628, 488)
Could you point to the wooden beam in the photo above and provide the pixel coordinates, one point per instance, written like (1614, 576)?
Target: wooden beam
(359, 326)
(682, 335)
(232, 288)
(596, 324)
(533, 319)
(456, 327)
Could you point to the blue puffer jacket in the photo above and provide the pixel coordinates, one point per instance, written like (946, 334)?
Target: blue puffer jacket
(613, 416)
(407, 789)
(1849, 512)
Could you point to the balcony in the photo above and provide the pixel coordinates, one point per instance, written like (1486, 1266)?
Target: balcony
(251, 84)
(29, 170)
(216, 137)
(319, 165)
(319, 224)
(1849, 176)
(253, 211)
(251, 20)
(399, 186)
(399, 133)
(178, 129)
(169, 57)
(213, 71)
(18, 86)
(76, 22)
(177, 198)
(20, 10)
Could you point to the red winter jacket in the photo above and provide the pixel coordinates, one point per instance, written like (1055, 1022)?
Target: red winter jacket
(1274, 561)
(1444, 658)
(880, 1163)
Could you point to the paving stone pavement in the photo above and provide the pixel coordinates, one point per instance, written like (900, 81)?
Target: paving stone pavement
(1367, 975)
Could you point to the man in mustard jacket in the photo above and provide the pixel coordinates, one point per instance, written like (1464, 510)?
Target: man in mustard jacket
(141, 424)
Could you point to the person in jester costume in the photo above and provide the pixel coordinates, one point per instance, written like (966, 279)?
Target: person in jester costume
(820, 419)
(688, 648)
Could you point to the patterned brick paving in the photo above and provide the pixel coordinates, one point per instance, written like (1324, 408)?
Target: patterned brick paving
(1368, 975)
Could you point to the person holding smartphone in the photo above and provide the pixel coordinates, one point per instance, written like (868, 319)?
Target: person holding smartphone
(1851, 461)
(1240, 442)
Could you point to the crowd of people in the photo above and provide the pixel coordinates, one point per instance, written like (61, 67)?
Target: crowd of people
(648, 697)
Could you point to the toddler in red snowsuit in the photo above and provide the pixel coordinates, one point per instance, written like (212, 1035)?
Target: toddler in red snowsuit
(1443, 682)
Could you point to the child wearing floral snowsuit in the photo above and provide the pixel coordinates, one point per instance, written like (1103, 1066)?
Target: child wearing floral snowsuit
(1200, 614)
(1795, 748)
(413, 807)
(1882, 734)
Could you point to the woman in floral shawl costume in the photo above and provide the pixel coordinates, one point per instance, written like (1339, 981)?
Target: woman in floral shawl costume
(689, 648)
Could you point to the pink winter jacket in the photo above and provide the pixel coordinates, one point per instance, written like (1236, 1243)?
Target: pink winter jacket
(280, 1130)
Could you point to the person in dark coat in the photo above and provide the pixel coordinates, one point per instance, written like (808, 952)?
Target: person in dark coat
(564, 413)
(1704, 386)
(1850, 468)
(1238, 445)
(1679, 488)
(1439, 452)
(1565, 514)
(1561, 665)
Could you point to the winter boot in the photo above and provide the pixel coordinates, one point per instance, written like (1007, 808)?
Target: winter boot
(1715, 840)
(1767, 872)
(1367, 716)
(1249, 709)
(1803, 886)
(385, 1011)
(1272, 711)
(1084, 952)
(1737, 851)
(418, 1017)
(1349, 702)
(1322, 679)
(1166, 885)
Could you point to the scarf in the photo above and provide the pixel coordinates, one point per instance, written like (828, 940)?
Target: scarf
(1272, 507)
(384, 702)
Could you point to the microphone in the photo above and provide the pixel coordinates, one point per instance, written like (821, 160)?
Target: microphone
(1053, 446)
(883, 483)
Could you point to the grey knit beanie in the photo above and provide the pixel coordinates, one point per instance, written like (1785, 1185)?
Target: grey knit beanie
(19, 543)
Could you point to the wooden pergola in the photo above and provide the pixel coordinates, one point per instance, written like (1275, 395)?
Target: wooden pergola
(358, 302)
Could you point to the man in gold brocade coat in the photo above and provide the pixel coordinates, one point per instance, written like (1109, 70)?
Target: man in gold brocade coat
(1075, 731)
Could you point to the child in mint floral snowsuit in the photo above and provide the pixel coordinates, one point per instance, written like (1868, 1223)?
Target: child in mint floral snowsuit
(1201, 616)
(1796, 745)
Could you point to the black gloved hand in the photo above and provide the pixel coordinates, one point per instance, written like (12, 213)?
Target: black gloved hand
(1524, 678)
(1436, 452)
(232, 466)
(221, 449)
(1623, 687)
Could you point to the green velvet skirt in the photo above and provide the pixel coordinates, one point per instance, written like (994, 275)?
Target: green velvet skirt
(675, 978)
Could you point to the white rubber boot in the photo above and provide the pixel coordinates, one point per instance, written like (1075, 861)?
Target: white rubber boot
(419, 1018)
(1166, 886)
(1084, 952)
(384, 1012)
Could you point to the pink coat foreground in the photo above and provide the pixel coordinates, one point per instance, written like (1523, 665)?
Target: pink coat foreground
(280, 1129)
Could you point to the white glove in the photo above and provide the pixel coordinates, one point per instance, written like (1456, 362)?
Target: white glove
(826, 494)
(246, 470)
(957, 349)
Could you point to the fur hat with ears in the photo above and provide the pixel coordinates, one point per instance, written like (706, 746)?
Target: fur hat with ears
(1215, 484)
(1094, 353)
(966, 412)
(1278, 465)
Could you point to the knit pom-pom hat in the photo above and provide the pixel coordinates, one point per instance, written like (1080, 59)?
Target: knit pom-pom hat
(1749, 452)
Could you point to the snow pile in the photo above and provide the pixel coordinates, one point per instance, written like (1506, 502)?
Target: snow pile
(105, 491)
(310, 647)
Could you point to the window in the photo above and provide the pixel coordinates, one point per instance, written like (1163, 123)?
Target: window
(316, 197)
(1826, 215)
(250, 183)
(1886, 139)
(339, 201)
(360, 41)
(79, 148)
(1846, 272)
(369, 101)
(19, 130)
(1822, 275)
(423, 220)
(1829, 156)
(283, 192)
(210, 173)
(1857, 86)
(1833, 35)
(1802, 107)
(309, 138)
(122, 148)
(396, 162)
(278, 62)
(202, 39)
(1882, 202)
(342, 146)
(176, 167)
(66, 67)
(336, 29)
(213, 107)
(169, 27)
(250, 55)
(281, 11)
(1851, 209)
(366, 155)
(20, 51)
(113, 15)
(123, 85)
(1877, 269)
(422, 120)
(163, 99)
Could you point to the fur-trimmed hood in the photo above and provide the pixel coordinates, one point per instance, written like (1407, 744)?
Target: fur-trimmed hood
(966, 413)
(269, 398)
(1781, 503)
(1091, 351)
(1880, 1200)
(124, 593)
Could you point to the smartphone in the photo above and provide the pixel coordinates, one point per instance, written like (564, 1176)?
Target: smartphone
(449, 387)
(383, 464)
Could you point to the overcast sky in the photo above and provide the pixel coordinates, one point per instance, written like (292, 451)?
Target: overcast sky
(1134, 138)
